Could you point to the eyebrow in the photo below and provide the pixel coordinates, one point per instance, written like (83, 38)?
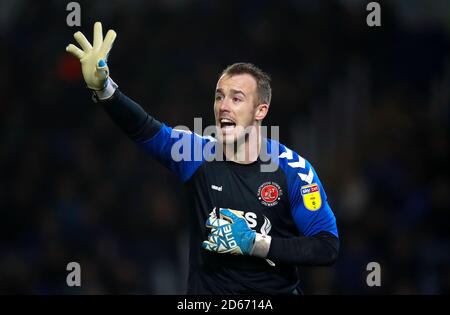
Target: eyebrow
(237, 92)
(234, 91)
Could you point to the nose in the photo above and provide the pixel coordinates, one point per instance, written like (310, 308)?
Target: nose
(225, 105)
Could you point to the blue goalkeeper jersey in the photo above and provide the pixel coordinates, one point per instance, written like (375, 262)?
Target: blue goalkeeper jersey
(287, 202)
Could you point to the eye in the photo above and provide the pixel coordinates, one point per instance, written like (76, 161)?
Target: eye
(219, 97)
(236, 99)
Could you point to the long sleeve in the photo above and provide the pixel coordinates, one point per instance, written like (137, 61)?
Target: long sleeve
(131, 117)
(318, 250)
(318, 240)
(178, 150)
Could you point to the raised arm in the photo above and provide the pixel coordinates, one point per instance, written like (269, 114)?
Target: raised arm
(126, 113)
(153, 136)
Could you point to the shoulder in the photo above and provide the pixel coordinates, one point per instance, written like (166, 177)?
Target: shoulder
(181, 132)
(295, 167)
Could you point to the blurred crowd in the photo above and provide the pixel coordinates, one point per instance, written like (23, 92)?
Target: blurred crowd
(368, 107)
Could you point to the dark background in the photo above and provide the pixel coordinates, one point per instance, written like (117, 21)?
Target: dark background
(368, 107)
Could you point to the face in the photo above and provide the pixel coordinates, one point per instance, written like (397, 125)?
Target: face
(236, 106)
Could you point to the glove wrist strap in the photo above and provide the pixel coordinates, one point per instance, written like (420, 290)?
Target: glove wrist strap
(107, 91)
(261, 246)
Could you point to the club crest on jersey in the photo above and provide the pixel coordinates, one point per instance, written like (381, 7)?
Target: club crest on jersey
(269, 193)
(311, 197)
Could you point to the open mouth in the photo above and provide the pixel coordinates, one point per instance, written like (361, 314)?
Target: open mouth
(227, 124)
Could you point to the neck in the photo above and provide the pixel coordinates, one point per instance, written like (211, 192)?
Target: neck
(245, 150)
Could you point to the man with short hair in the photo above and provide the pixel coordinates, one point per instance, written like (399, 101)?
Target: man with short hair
(249, 228)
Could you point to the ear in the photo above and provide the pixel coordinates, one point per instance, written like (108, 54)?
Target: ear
(261, 111)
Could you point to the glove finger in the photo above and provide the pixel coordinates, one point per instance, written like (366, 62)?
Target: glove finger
(102, 65)
(212, 217)
(74, 50)
(210, 222)
(98, 35)
(213, 239)
(84, 43)
(226, 214)
(102, 70)
(209, 246)
(107, 43)
(217, 223)
(213, 213)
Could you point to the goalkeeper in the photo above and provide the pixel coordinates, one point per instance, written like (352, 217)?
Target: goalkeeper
(249, 229)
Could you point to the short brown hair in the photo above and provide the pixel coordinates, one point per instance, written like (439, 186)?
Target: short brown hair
(262, 79)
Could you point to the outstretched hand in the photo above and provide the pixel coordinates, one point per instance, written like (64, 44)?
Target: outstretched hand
(93, 58)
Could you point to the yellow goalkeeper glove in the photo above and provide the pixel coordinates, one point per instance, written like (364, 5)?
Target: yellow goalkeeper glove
(93, 58)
